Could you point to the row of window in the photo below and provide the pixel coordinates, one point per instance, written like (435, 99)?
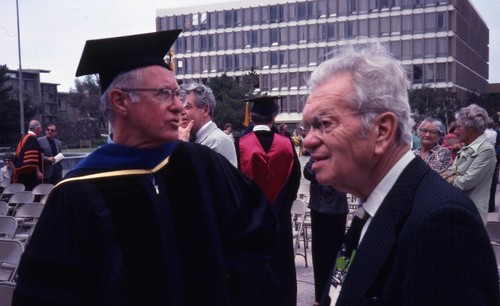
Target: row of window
(287, 12)
(312, 33)
(304, 57)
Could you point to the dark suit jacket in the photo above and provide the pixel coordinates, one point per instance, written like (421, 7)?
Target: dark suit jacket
(48, 168)
(425, 246)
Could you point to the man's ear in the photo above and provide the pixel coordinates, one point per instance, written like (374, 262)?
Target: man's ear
(117, 100)
(385, 129)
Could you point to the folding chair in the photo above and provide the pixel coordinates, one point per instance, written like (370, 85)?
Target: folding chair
(8, 227)
(10, 190)
(27, 215)
(493, 230)
(4, 208)
(6, 293)
(10, 255)
(20, 198)
(41, 190)
(298, 212)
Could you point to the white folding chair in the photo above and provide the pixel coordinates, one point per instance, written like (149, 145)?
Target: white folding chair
(27, 215)
(493, 230)
(42, 190)
(4, 208)
(10, 255)
(8, 227)
(298, 212)
(6, 293)
(20, 198)
(10, 190)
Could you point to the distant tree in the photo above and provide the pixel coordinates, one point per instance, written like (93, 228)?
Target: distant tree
(431, 102)
(490, 102)
(86, 97)
(9, 112)
(229, 94)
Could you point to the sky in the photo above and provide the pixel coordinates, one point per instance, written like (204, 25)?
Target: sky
(53, 32)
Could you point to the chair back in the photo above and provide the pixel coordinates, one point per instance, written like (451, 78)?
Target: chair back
(10, 255)
(298, 212)
(41, 190)
(21, 197)
(6, 293)
(30, 210)
(27, 216)
(8, 227)
(4, 208)
(493, 230)
(11, 189)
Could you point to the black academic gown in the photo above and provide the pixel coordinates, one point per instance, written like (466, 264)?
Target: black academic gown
(190, 231)
(283, 263)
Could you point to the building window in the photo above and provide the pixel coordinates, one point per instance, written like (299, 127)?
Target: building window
(321, 8)
(264, 42)
(417, 74)
(331, 32)
(284, 59)
(441, 72)
(302, 11)
(322, 32)
(220, 63)
(430, 48)
(274, 36)
(282, 12)
(293, 80)
(442, 46)
(395, 25)
(247, 39)
(342, 30)
(247, 61)
(213, 63)
(374, 30)
(189, 44)
(237, 62)
(303, 58)
(303, 76)
(292, 12)
(302, 35)
(274, 59)
(429, 73)
(204, 43)
(284, 36)
(418, 23)
(196, 65)
(284, 80)
(178, 22)
(247, 16)
(221, 37)
(363, 28)
(293, 58)
(275, 82)
(396, 49)
(273, 14)
(220, 19)
(229, 19)
(239, 40)
(237, 18)
(441, 21)
(406, 24)
(229, 62)
(256, 15)
(342, 7)
(384, 26)
(293, 35)
(406, 49)
(211, 42)
(196, 43)
(212, 20)
(255, 38)
(256, 62)
(352, 6)
(430, 22)
(313, 30)
(313, 56)
(417, 48)
(332, 8)
(264, 82)
(265, 60)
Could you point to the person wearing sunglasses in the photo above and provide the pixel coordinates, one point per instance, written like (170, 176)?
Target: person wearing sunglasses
(51, 146)
(429, 132)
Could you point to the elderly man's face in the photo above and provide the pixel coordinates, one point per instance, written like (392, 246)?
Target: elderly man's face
(342, 156)
(155, 118)
(192, 112)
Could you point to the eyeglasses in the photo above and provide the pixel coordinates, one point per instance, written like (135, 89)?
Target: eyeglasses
(324, 123)
(459, 125)
(51, 130)
(165, 94)
(425, 131)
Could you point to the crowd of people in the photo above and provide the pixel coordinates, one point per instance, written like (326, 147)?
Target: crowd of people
(177, 211)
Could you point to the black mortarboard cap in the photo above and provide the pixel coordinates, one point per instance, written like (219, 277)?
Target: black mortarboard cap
(111, 56)
(265, 105)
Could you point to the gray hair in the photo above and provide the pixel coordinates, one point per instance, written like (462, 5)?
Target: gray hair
(203, 96)
(127, 79)
(473, 116)
(436, 122)
(379, 84)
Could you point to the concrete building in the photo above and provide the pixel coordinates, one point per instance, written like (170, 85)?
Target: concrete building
(442, 43)
(42, 96)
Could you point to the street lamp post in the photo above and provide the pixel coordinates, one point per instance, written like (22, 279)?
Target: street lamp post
(20, 74)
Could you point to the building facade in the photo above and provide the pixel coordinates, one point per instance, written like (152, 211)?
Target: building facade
(441, 43)
(42, 96)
